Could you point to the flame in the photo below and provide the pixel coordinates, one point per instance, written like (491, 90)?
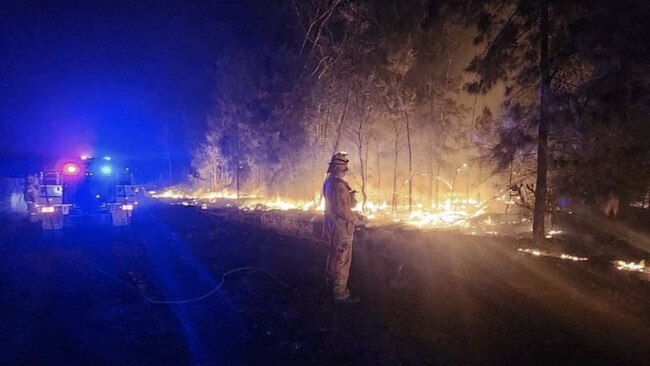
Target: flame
(175, 193)
(218, 195)
(534, 252)
(448, 214)
(551, 233)
(572, 257)
(539, 253)
(316, 204)
(630, 266)
(422, 218)
(169, 193)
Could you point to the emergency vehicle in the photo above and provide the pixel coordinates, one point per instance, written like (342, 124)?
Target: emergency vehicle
(82, 188)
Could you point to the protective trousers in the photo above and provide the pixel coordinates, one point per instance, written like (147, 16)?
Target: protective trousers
(339, 266)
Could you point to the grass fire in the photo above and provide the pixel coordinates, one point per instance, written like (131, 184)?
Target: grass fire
(325, 182)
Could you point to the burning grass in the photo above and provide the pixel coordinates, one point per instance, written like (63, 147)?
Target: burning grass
(631, 266)
(463, 214)
(449, 214)
(544, 253)
(460, 215)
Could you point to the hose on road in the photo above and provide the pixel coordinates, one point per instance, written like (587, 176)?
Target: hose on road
(194, 299)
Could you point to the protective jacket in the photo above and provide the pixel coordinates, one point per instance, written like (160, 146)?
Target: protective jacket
(30, 190)
(339, 200)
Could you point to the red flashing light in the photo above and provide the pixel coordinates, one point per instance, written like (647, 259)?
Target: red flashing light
(71, 169)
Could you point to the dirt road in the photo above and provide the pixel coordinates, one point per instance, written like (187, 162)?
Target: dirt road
(156, 294)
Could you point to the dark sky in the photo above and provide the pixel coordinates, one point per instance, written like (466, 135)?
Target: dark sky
(104, 78)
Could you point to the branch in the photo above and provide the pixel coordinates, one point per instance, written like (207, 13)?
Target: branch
(320, 27)
(311, 26)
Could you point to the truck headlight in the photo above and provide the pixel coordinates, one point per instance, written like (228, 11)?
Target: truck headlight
(46, 209)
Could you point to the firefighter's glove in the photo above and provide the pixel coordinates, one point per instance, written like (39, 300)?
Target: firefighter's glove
(361, 220)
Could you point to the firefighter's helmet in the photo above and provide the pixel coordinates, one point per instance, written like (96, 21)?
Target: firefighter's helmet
(339, 162)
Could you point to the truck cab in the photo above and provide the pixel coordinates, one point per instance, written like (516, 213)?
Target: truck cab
(85, 187)
(121, 208)
(48, 205)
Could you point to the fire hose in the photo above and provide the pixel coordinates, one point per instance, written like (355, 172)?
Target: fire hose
(207, 294)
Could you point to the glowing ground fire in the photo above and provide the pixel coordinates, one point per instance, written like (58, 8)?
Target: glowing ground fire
(456, 214)
(448, 214)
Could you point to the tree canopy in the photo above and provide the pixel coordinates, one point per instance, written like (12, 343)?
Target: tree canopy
(384, 80)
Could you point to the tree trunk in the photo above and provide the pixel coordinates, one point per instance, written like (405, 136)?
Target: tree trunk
(363, 180)
(378, 174)
(272, 187)
(394, 203)
(342, 121)
(442, 133)
(478, 184)
(171, 179)
(365, 193)
(237, 178)
(542, 138)
(437, 184)
(431, 152)
(467, 183)
(408, 140)
(237, 163)
(474, 111)
(361, 162)
(221, 180)
(214, 176)
(169, 165)
(509, 189)
(480, 165)
(327, 116)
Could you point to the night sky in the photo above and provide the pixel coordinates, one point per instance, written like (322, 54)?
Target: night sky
(105, 78)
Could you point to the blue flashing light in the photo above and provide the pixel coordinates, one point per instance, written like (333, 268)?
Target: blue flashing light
(106, 169)
(107, 158)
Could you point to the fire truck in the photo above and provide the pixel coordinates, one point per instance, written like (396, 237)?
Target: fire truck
(80, 189)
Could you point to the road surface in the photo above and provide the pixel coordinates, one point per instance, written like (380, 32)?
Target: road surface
(155, 294)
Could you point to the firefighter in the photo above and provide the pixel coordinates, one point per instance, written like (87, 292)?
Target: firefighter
(338, 227)
(30, 193)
